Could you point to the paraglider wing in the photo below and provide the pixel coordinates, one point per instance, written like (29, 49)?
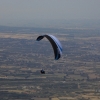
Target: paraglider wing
(40, 38)
(55, 44)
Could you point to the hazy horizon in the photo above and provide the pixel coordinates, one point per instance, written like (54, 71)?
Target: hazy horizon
(47, 13)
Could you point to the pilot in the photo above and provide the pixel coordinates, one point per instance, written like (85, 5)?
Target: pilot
(42, 71)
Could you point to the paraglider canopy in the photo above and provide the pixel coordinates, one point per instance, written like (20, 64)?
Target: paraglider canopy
(57, 47)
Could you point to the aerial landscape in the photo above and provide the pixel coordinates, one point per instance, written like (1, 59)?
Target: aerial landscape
(49, 49)
(75, 76)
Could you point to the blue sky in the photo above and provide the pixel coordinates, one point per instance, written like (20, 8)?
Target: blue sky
(14, 11)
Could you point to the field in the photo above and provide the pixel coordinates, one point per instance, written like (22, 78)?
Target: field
(75, 76)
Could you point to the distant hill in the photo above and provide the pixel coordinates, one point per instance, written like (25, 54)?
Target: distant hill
(8, 29)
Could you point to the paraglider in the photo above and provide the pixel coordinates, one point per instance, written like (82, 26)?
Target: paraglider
(56, 45)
